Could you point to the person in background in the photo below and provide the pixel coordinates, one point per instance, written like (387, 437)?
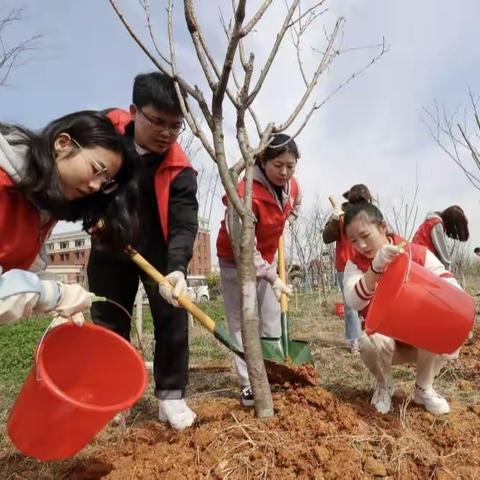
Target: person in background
(333, 232)
(376, 249)
(276, 196)
(433, 232)
(168, 223)
(70, 170)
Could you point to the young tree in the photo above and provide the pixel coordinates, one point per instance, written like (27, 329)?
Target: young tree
(234, 81)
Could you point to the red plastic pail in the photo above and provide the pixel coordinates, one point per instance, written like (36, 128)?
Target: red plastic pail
(82, 378)
(417, 307)
(339, 309)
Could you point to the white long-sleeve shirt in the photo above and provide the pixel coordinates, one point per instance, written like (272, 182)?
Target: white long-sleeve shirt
(357, 296)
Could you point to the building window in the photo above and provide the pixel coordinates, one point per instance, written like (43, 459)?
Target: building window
(77, 255)
(63, 245)
(52, 258)
(50, 246)
(79, 243)
(62, 257)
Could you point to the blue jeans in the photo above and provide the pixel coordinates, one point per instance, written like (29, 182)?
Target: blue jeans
(353, 327)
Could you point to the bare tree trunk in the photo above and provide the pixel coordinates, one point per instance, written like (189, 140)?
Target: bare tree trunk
(250, 323)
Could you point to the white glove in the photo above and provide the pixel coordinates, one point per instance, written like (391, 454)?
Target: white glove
(73, 300)
(178, 287)
(279, 287)
(385, 256)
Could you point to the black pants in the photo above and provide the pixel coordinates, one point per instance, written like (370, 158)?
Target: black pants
(117, 279)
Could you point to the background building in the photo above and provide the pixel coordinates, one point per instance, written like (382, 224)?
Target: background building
(68, 255)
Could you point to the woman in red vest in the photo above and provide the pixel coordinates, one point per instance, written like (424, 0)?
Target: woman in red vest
(68, 171)
(375, 249)
(433, 232)
(333, 232)
(276, 196)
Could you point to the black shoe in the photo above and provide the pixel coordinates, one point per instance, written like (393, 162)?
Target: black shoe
(246, 396)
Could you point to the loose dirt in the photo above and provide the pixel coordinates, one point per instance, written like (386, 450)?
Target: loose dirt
(314, 435)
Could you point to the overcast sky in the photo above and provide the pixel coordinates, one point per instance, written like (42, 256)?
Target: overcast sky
(371, 132)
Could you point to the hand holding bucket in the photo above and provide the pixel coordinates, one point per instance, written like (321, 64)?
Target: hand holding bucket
(417, 307)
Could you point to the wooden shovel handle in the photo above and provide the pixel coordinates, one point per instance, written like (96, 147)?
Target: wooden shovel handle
(183, 300)
(282, 272)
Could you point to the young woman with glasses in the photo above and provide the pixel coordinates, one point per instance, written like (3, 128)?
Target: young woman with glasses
(67, 171)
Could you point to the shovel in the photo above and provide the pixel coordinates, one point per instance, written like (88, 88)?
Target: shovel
(284, 349)
(277, 371)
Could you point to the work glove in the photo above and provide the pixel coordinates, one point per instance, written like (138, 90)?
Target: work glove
(385, 256)
(73, 300)
(279, 287)
(178, 287)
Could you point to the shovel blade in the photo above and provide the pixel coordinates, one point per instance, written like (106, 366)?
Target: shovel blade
(298, 351)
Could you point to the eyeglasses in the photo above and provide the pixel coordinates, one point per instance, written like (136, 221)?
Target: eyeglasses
(108, 185)
(161, 125)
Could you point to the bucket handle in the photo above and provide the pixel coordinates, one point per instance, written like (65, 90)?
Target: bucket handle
(37, 353)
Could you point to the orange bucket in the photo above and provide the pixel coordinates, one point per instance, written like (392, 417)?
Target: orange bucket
(83, 376)
(417, 307)
(339, 309)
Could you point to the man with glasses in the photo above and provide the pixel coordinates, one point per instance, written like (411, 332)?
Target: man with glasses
(167, 210)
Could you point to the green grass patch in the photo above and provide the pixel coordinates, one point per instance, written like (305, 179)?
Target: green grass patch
(18, 342)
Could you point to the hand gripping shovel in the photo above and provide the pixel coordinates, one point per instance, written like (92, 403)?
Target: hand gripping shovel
(277, 371)
(292, 358)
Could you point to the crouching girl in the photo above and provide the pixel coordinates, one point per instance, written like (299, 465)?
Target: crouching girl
(375, 249)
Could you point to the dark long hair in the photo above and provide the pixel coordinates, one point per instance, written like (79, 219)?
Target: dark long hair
(41, 183)
(280, 143)
(455, 223)
(373, 214)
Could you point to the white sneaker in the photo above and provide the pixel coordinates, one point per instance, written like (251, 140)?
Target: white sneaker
(431, 400)
(382, 398)
(176, 413)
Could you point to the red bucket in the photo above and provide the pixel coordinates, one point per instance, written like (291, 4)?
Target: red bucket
(83, 377)
(417, 307)
(339, 309)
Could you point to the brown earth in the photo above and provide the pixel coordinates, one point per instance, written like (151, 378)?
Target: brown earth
(314, 435)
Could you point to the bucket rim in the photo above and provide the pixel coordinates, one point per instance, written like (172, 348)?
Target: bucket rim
(43, 376)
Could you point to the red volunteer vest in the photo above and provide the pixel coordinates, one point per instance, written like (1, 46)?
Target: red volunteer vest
(270, 221)
(174, 162)
(22, 234)
(423, 235)
(343, 249)
(418, 252)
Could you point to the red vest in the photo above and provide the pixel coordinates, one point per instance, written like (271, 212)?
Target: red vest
(22, 234)
(270, 220)
(418, 253)
(423, 235)
(174, 162)
(343, 249)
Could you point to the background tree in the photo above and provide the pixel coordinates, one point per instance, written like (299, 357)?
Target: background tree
(13, 54)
